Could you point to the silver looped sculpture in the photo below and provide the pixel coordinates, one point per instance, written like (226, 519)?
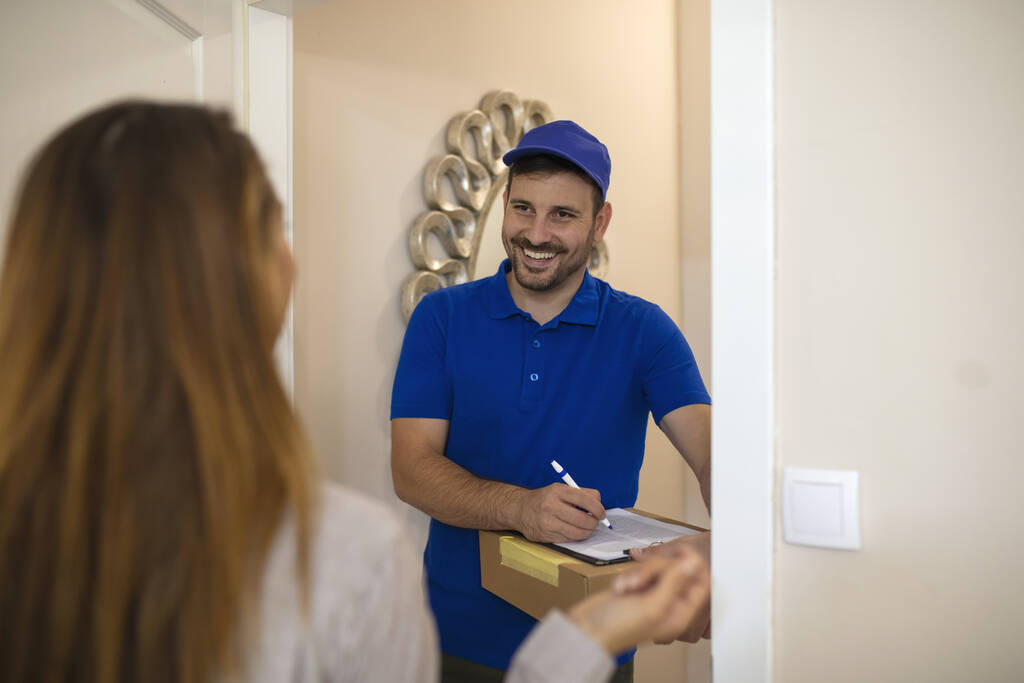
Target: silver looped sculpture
(473, 175)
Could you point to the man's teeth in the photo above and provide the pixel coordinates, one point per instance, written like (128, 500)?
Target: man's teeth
(539, 254)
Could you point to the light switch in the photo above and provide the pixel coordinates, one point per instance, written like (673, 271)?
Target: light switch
(820, 508)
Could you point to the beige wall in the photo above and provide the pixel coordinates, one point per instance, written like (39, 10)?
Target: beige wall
(900, 233)
(375, 86)
(695, 256)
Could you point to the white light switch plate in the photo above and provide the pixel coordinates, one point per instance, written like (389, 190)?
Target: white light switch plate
(820, 508)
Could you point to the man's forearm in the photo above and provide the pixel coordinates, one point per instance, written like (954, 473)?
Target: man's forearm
(425, 478)
(455, 496)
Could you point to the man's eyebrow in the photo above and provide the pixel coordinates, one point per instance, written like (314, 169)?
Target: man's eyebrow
(560, 207)
(570, 209)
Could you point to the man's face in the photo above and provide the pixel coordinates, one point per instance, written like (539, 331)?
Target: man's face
(550, 228)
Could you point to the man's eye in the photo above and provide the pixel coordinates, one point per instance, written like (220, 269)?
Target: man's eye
(520, 207)
(566, 214)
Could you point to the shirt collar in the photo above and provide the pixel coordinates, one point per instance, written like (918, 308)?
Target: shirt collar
(582, 309)
(500, 302)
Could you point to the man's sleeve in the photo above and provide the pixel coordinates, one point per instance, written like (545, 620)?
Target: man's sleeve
(670, 376)
(422, 387)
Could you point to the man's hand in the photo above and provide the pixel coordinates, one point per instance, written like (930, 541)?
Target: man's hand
(694, 544)
(558, 513)
(655, 601)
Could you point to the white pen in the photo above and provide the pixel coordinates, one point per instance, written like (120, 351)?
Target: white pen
(567, 478)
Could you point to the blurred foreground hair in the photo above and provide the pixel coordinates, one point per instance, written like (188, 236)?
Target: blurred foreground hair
(148, 452)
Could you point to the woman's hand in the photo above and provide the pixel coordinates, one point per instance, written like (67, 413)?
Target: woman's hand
(700, 544)
(657, 600)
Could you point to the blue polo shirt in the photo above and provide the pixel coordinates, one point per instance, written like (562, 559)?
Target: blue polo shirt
(519, 395)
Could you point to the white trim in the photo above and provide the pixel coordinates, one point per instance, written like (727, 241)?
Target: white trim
(742, 329)
(285, 7)
(268, 103)
(172, 19)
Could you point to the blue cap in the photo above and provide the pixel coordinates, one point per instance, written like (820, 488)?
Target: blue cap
(569, 141)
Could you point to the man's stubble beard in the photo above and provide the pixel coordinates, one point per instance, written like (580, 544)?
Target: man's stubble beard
(561, 274)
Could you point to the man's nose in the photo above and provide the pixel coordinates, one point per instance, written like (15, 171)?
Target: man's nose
(537, 231)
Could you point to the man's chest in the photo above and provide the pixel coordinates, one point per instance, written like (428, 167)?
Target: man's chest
(521, 367)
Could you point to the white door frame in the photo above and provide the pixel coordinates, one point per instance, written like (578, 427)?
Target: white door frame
(262, 103)
(263, 100)
(742, 329)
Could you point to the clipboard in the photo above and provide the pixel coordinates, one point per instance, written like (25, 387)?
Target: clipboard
(597, 562)
(630, 529)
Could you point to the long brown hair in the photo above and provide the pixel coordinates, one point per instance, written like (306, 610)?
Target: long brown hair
(148, 452)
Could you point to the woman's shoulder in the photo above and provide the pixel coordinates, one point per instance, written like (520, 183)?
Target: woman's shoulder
(353, 526)
(353, 536)
(360, 560)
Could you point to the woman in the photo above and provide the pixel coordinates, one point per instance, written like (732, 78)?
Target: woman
(160, 517)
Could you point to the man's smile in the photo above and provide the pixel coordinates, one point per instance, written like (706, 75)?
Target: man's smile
(536, 259)
(541, 255)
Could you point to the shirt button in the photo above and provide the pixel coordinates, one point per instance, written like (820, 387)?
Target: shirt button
(534, 377)
(536, 344)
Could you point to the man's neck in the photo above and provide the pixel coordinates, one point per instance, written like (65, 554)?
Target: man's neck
(543, 306)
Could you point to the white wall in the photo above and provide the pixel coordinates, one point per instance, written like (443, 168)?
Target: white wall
(61, 60)
(900, 233)
(375, 86)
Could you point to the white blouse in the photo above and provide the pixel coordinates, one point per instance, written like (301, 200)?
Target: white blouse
(369, 619)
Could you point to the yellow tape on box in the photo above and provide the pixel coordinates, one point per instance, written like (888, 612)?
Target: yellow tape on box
(531, 559)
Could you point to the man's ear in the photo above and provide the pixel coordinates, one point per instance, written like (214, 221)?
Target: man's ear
(601, 221)
(504, 197)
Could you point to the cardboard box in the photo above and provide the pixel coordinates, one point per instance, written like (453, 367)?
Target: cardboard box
(535, 577)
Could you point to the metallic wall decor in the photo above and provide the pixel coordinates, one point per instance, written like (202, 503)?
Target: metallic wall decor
(461, 188)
